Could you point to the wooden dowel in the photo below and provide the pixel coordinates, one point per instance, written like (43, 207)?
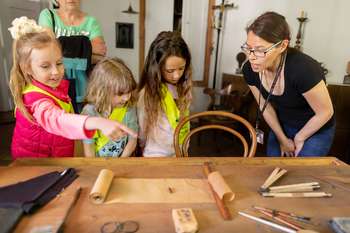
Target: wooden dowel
(295, 185)
(273, 173)
(295, 189)
(311, 194)
(273, 179)
(70, 207)
(224, 211)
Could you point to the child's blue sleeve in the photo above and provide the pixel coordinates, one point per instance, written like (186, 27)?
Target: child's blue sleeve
(90, 111)
(131, 119)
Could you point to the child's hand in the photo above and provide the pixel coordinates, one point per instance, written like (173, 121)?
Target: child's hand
(112, 129)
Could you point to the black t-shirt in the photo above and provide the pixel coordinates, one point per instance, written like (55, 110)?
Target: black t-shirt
(301, 73)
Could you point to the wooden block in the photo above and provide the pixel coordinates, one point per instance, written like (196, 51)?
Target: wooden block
(184, 220)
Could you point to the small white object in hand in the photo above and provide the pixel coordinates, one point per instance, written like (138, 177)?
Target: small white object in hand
(22, 26)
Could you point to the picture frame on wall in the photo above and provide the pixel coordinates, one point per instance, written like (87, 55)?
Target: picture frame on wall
(124, 35)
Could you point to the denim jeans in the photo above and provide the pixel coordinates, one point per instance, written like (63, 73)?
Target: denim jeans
(318, 144)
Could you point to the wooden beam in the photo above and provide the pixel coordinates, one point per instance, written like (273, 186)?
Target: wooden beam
(238, 161)
(142, 18)
(208, 47)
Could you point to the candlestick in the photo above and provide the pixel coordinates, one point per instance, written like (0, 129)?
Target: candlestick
(302, 19)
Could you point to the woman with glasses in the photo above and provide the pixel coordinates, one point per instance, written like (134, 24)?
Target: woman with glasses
(289, 87)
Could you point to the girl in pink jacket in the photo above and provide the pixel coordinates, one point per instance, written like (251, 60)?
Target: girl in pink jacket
(45, 124)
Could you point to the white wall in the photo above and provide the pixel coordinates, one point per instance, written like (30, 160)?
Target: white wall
(9, 10)
(194, 29)
(326, 35)
(159, 17)
(108, 12)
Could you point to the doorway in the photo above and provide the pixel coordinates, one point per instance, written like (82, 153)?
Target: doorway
(9, 10)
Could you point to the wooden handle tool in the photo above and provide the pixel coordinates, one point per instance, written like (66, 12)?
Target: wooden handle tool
(224, 211)
(274, 176)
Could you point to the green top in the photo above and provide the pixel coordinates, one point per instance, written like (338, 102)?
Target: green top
(89, 27)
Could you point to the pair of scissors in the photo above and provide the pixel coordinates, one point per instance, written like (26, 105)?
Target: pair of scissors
(120, 227)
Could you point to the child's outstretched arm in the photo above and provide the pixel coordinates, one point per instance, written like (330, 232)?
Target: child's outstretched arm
(112, 129)
(73, 126)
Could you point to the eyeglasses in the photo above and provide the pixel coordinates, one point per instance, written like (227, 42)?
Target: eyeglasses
(258, 53)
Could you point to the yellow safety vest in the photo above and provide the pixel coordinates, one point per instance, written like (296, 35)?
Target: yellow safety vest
(67, 107)
(173, 114)
(117, 114)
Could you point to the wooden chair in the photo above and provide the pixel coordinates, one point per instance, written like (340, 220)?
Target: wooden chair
(232, 98)
(182, 150)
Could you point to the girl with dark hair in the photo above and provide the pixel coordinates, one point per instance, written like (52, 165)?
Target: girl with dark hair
(289, 87)
(165, 94)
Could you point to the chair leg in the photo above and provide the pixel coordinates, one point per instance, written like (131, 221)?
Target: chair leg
(217, 148)
(199, 138)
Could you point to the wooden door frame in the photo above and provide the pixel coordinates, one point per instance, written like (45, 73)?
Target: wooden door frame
(208, 42)
(208, 47)
(142, 18)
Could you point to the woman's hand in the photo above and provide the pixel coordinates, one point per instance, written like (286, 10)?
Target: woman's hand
(299, 143)
(287, 148)
(98, 46)
(112, 129)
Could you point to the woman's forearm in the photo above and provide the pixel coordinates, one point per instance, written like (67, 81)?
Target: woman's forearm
(313, 125)
(271, 119)
(319, 100)
(269, 115)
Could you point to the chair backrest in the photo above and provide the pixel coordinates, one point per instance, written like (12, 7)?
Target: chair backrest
(182, 150)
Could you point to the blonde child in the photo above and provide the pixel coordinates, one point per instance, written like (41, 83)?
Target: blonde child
(45, 126)
(165, 94)
(111, 94)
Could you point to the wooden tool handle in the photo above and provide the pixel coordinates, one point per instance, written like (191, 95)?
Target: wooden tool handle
(224, 211)
(284, 221)
(76, 196)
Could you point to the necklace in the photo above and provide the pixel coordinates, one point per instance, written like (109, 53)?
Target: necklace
(268, 78)
(277, 74)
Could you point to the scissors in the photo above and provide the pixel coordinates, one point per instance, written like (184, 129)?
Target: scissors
(120, 227)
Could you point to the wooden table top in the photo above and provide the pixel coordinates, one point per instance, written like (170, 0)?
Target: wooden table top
(244, 176)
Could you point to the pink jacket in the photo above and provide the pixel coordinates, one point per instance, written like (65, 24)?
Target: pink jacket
(53, 129)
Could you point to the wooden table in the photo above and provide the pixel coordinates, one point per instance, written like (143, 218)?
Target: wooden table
(243, 175)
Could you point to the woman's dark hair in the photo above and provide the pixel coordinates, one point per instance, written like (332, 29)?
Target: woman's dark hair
(271, 27)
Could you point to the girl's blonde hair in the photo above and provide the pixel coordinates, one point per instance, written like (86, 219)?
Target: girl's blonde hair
(165, 45)
(110, 77)
(19, 76)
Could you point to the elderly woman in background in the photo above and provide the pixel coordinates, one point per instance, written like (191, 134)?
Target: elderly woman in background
(69, 20)
(82, 44)
(289, 87)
